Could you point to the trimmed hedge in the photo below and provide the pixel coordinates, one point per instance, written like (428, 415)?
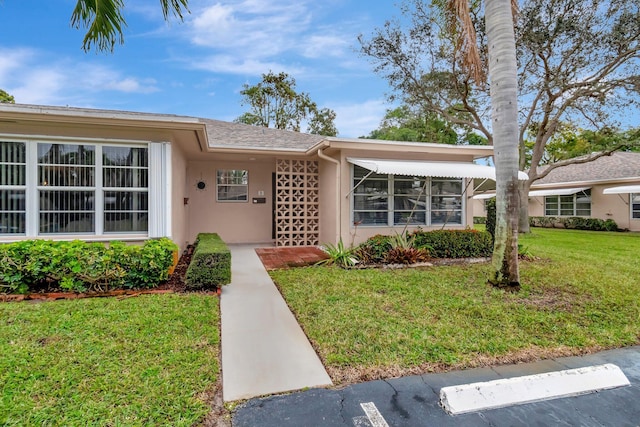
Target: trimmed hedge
(36, 265)
(210, 265)
(455, 243)
(574, 222)
(438, 243)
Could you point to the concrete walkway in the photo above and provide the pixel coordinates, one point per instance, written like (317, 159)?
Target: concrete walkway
(264, 350)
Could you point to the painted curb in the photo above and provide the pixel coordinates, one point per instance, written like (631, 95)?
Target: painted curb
(531, 388)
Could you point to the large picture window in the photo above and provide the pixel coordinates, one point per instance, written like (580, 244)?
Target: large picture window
(578, 204)
(635, 205)
(88, 189)
(395, 200)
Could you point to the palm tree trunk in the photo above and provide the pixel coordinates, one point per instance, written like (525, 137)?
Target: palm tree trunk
(504, 115)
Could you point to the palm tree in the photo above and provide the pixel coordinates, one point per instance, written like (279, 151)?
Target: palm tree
(104, 21)
(503, 72)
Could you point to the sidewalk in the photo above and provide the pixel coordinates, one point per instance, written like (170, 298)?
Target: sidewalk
(264, 350)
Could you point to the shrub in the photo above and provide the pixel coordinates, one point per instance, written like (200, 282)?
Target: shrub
(339, 255)
(374, 249)
(491, 218)
(33, 265)
(455, 243)
(479, 219)
(210, 265)
(403, 250)
(574, 223)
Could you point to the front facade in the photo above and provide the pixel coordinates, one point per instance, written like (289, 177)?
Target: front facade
(69, 173)
(606, 188)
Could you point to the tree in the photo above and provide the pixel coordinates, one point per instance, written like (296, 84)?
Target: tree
(577, 63)
(570, 142)
(437, 64)
(104, 21)
(405, 123)
(5, 98)
(274, 102)
(503, 73)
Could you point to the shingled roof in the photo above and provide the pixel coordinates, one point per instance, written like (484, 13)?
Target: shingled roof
(220, 134)
(618, 165)
(236, 135)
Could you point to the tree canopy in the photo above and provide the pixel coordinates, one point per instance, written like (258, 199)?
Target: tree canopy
(105, 22)
(274, 102)
(404, 123)
(578, 63)
(5, 98)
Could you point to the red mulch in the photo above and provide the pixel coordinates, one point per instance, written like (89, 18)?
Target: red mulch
(298, 256)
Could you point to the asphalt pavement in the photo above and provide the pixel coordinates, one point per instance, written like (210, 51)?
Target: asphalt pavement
(414, 401)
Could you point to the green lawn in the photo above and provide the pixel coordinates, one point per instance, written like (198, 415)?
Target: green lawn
(583, 294)
(147, 360)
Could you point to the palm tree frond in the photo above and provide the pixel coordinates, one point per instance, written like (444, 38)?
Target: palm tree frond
(460, 23)
(103, 20)
(176, 8)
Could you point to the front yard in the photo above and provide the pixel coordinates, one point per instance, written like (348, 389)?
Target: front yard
(581, 295)
(147, 360)
(153, 359)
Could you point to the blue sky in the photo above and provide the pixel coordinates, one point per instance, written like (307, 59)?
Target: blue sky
(198, 67)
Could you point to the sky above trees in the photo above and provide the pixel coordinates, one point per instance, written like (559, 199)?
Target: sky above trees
(197, 67)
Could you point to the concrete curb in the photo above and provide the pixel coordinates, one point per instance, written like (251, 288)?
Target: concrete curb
(531, 388)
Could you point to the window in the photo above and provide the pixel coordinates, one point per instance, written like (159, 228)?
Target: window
(232, 185)
(93, 189)
(66, 188)
(635, 205)
(126, 189)
(390, 200)
(13, 167)
(578, 204)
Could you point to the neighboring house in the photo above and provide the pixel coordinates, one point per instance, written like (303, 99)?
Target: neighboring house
(74, 173)
(606, 188)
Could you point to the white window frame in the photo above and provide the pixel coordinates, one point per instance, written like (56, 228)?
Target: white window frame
(390, 194)
(632, 209)
(574, 203)
(159, 189)
(244, 185)
(17, 188)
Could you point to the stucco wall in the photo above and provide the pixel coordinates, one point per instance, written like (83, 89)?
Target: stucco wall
(328, 202)
(235, 222)
(179, 228)
(603, 206)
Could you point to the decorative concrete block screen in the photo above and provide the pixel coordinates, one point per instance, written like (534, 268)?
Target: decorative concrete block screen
(297, 219)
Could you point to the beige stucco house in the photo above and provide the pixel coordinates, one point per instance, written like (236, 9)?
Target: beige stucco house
(75, 173)
(606, 188)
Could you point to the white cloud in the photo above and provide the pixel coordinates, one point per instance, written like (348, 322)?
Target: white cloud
(34, 77)
(355, 120)
(254, 36)
(320, 46)
(12, 60)
(242, 65)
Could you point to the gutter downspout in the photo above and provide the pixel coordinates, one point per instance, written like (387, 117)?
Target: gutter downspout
(338, 198)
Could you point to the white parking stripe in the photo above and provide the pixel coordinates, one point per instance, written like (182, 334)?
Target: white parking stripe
(375, 417)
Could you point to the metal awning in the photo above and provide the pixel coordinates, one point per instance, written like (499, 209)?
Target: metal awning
(435, 169)
(539, 193)
(484, 196)
(622, 189)
(557, 192)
